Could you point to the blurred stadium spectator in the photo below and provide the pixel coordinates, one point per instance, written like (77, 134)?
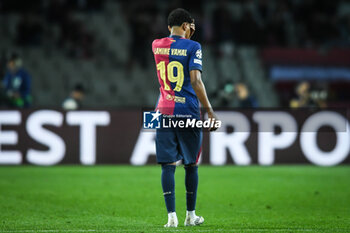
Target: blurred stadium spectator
(74, 101)
(226, 96)
(17, 84)
(245, 98)
(236, 95)
(303, 99)
(307, 98)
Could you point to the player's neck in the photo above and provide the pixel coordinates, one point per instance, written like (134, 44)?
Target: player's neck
(177, 32)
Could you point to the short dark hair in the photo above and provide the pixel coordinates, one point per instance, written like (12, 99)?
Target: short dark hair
(179, 16)
(79, 87)
(14, 57)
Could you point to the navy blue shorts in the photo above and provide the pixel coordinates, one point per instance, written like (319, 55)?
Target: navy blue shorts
(178, 144)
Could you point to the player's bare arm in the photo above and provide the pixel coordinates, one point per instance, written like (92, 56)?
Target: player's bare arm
(199, 88)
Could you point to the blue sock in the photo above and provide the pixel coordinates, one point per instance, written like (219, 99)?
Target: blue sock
(191, 181)
(168, 184)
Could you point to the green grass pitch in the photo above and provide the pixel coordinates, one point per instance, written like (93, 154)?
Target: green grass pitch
(129, 199)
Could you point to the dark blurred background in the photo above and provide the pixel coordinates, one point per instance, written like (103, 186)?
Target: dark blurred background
(256, 53)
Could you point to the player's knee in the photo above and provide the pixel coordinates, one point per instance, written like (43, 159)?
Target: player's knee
(168, 167)
(167, 164)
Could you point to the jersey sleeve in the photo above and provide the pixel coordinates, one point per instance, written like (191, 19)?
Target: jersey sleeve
(196, 57)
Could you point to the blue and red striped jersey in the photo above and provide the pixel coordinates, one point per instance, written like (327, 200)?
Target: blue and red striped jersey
(175, 57)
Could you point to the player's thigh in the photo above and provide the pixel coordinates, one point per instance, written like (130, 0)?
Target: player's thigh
(190, 142)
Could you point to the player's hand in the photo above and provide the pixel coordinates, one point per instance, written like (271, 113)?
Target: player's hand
(193, 29)
(213, 118)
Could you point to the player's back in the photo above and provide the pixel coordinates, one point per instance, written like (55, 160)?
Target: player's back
(175, 57)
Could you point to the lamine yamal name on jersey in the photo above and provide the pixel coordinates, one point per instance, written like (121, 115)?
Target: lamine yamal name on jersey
(169, 51)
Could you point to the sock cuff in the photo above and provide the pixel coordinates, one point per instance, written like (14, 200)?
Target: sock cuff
(191, 168)
(168, 167)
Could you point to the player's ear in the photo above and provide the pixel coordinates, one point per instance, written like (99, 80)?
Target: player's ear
(183, 26)
(169, 28)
